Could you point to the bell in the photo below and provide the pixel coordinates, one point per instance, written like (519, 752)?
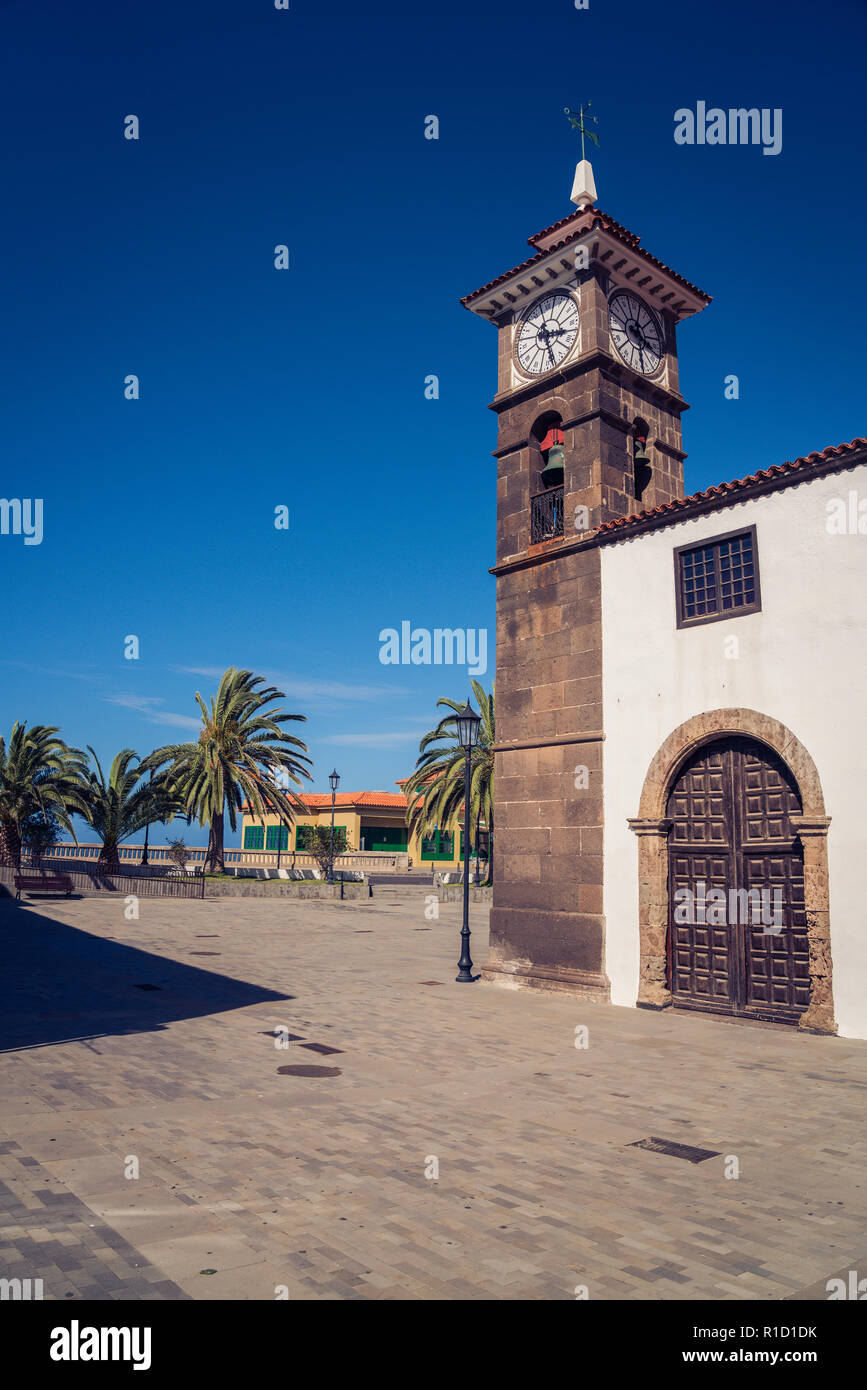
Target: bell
(641, 454)
(552, 473)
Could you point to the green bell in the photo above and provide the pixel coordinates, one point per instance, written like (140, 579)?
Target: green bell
(552, 473)
(641, 455)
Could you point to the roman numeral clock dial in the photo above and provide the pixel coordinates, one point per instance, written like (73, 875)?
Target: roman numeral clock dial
(546, 333)
(635, 332)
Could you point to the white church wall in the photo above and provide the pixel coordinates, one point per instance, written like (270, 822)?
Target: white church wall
(801, 660)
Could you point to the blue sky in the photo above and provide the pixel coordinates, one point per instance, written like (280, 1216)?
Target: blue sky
(305, 388)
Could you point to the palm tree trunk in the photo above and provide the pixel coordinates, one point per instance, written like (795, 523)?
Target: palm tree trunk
(10, 844)
(109, 860)
(215, 862)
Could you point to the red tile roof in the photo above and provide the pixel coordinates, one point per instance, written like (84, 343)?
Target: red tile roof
(345, 800)
(590, 219)
(792, 472)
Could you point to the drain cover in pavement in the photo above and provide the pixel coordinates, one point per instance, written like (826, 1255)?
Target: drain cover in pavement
(674, 1150)
(321, 1047)
(206, 953)
(309, 1071)
(430, 982)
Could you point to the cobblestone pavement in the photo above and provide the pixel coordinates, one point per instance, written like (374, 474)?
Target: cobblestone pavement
(317, 1184)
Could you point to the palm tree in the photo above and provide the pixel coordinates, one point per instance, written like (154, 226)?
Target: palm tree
(124, 804)
(239, 755)
(435, 790)
(39, 773)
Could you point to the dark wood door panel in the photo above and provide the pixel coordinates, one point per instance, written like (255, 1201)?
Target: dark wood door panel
(730, 808)
(700, 963)
(778, 955)
(698, 804)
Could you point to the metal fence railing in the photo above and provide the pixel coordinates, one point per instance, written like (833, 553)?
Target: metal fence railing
(159, 856)
(87, 879)
(546, 515)
(159, 859)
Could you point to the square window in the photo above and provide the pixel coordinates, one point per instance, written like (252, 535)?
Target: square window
(274, 842)
(717, 579)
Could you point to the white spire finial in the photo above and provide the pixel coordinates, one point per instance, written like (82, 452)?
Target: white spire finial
(583, 187)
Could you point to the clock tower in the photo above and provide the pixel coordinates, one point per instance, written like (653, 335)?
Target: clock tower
(588, 408)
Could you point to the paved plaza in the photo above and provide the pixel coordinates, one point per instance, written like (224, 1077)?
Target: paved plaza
(147, 1046)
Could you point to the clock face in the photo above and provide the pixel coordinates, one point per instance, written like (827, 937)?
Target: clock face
(636, 332)
(546, 333)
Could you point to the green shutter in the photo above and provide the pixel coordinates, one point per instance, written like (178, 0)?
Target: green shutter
(273, 842)
(254, 836)
(439, 845)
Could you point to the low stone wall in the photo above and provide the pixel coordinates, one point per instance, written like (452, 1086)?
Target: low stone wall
(282, 888)
(454, 892)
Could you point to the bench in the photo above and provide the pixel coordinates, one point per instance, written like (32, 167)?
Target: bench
(46, 883)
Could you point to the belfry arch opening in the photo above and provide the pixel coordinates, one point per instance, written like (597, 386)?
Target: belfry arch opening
(641, 468)
(548, 454)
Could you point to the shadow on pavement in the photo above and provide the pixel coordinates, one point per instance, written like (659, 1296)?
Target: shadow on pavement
(60, 983)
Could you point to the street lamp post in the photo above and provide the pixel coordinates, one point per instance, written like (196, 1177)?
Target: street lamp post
(333, 782)
(144, 858)
(468, 732)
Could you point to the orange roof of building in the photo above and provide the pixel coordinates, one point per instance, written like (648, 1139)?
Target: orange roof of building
(316, 799)
(344, 800)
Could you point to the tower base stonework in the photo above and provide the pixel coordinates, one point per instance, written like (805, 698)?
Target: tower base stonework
(547, 928)
(547, 924)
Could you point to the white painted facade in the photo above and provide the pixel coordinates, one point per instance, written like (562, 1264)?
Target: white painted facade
(802, 660)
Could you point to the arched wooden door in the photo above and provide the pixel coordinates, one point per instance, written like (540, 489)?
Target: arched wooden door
(736, 951)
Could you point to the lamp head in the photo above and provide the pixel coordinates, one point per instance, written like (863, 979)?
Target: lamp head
(468, 726)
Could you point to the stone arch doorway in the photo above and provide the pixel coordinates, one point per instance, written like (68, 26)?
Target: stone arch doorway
(782, 770)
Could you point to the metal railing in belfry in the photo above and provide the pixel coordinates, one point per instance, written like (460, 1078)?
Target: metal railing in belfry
(546, 515)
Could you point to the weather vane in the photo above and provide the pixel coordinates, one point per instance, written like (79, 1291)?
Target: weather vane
(578, 120)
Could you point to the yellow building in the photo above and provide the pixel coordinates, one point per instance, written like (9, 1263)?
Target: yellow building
(371, 822)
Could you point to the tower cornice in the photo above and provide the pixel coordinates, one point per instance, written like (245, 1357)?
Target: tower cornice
(609, 246)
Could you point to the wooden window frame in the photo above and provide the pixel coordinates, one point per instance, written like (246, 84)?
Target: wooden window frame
(283, 840)
(730, 613)
(439, 852)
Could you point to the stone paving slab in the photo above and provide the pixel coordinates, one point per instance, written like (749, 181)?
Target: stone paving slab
(317, 1184)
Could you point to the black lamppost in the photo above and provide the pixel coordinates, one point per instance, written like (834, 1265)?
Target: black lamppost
(144, 858)
(333, 782)
(468, 733)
